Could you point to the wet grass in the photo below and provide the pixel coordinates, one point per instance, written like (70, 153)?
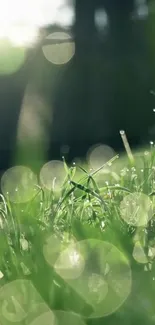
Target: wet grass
(87, 206)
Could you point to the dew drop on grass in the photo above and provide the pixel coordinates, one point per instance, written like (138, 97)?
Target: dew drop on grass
(122, 132)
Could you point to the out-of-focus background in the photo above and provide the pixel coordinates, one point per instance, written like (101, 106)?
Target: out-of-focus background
(73, 73)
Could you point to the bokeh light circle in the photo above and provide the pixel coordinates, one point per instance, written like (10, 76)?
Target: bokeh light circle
(15, 297)
(70, 263)
(18, 184)
(106, 280)
(61, 48)
(136, 209)
(64, 256)
(103, 280)
(101, 20)
(100, 155)
(52, 175)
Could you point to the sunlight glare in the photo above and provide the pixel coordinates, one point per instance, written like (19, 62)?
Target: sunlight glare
(32, 14)
(23, 35)
(52, 175)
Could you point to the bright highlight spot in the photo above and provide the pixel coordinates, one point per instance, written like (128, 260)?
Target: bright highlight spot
(151, 252)
(61, 48)
(18, 184)
(136, 209)
(1, 275)
(63, 255)
(101, 19)
(99, 155)
(23, 36)
(55, 245)
(139, 254)
(70, 263)
(52, 175)
(36, 13)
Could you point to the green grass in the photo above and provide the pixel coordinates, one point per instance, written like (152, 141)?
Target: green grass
(86, 207)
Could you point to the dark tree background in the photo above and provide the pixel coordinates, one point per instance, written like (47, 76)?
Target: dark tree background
(103, 89)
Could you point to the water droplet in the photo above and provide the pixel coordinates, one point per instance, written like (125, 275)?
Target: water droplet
(153, 110)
